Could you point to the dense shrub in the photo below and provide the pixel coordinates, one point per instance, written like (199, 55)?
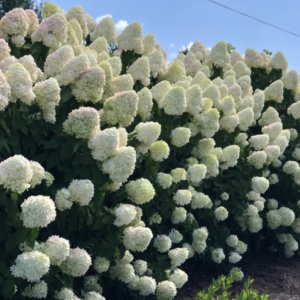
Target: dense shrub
(117, 167)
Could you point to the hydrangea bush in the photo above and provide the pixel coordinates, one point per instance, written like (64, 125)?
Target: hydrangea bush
(117, 167)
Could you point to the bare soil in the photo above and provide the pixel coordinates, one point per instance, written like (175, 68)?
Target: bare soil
(275, 276)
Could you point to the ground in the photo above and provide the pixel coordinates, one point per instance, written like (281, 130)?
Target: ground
(275, 276)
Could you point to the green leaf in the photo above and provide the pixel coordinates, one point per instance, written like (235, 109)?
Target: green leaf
(32, 236)
(39, 51)
(52, 160)
(65, 151)
(108, 219)
(76, 146)
(66, 94)
(53, 144)
(4, 126)
(8, 288)
(4, 269)
(15, 239)
(12, 210)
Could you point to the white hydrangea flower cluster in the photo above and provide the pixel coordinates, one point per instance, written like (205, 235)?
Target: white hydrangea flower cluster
(5, 91)
(125, 214)
(77, 263)
(178, 256)
(218, 255)
(290, 243)
(105, 143)
(83, 122)
(18, 174)
(140, 70)
(89, 86)
(131, 38)
(283, 216)
(166, 290)
(137, 238)
(93, 296)
(38, 290)
(90, 283)
(148, 132)
(164, 180)
(260, 184)
(18, 24)
(162, 243)
(140, 267)
(221, 213)
(47, 96)
(120, 108)
(31, 266)
(38, 211)
(140, 191)
(201, 200)
(56, 248)
(52, 31)
(179, 278)
(179, 215)
(20, 83)
(79, 191)
(200, 236)
(66, 293)
(121, 165)
(123, 269)
(101, 264)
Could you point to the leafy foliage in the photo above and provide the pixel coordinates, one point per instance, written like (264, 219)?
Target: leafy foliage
(220, 290)
(149, 164)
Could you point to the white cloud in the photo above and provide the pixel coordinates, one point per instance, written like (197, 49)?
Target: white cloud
(98, 19)
(121, 24)
(172, 45)
(188, 46)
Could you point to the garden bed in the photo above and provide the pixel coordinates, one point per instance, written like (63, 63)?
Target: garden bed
(275, 276)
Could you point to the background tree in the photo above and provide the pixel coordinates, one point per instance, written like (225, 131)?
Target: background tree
(7, 5)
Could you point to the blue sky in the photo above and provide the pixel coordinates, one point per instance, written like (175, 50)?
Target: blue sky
(176, 22)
